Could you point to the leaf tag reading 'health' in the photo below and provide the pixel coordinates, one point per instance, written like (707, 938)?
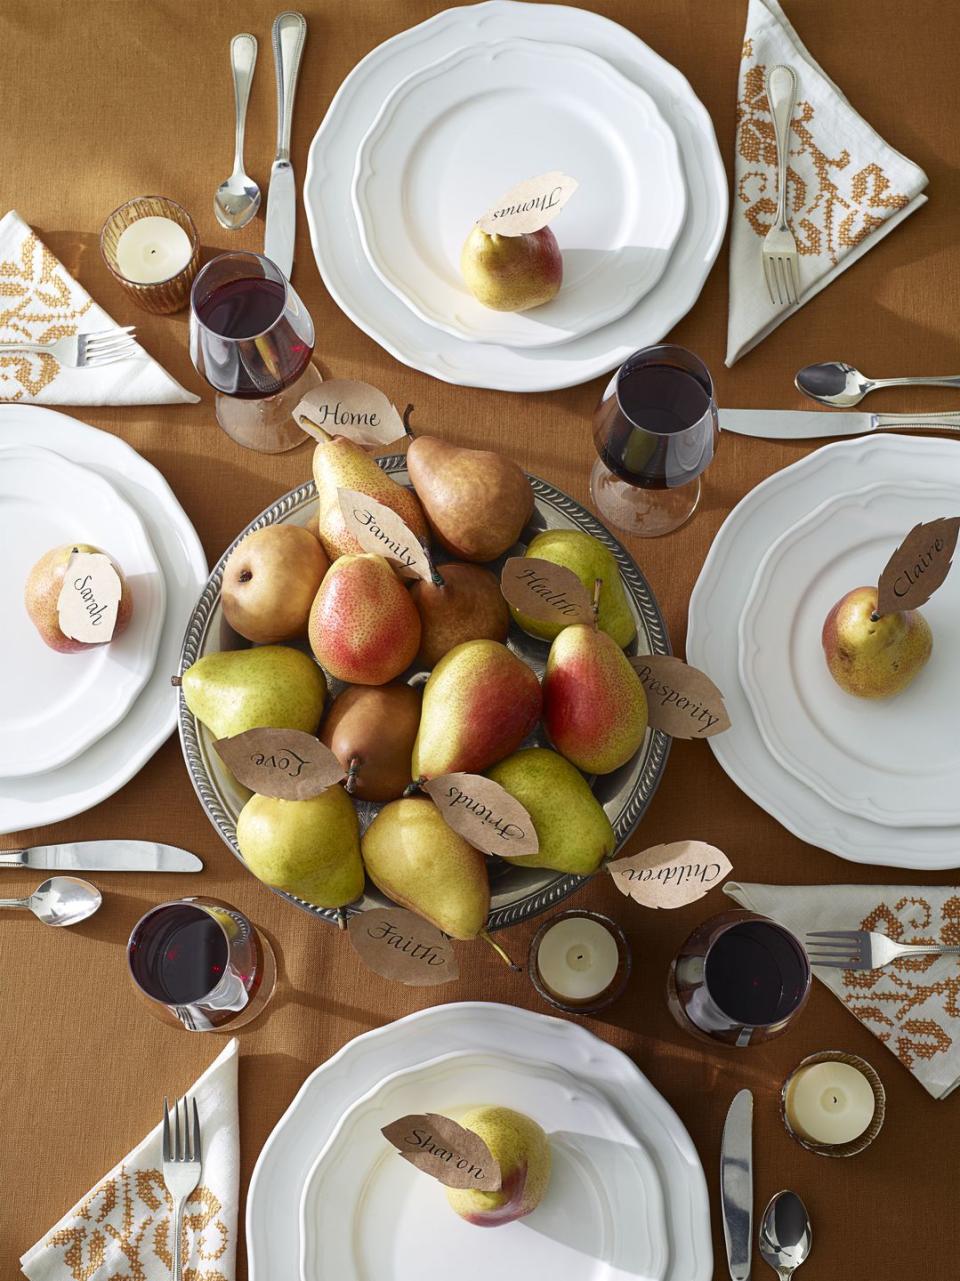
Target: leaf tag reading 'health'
(455, 1156)
(670, 875)
(89, 598)
(918, 566)
(528, 206)
(285, 763)
(400, 945)
(379, 529)
(682, 701)
(342, 407)
(545, 592)
(484, 813)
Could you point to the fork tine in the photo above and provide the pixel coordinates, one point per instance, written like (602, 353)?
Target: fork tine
(166, 1130)
(794, 278)
(767, 275)
(782, 281)
(197, 1152)
(844, 936)
(177, 1152)
(844, 963)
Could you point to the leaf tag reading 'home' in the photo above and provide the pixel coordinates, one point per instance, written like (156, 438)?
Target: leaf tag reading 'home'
(89, 598)
(682, 701)
(528, 206)
(484, 813)
(455, 1156)
(918, 566)
(342, 407)
(286, 763)
(400, 945)
(670, 875)
(545, 592)
(379, 529)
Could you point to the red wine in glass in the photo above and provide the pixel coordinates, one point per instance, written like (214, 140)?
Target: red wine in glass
(250, 347)
(178, 956)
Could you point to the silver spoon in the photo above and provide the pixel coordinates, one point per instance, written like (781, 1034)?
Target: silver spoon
(62, 900)
(785, 1234)
(238, 199)
(841, 386)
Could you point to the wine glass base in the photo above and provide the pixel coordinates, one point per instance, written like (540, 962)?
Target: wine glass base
(648, 513)
(267, 425)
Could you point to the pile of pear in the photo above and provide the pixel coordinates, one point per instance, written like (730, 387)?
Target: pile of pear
(322, 613)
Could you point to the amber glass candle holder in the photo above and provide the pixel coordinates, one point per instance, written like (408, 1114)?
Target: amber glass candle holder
(594, 923)
(862, 1141)
(161, 296)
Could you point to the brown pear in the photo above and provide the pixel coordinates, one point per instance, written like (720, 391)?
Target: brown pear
(466, 605)
(340, 464)
(269, 582)
(371, 730)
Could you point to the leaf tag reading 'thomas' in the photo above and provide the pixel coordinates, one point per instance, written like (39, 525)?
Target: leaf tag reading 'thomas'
(918, 566)
(379, 529)
(286, 763)
(545, 592)
(528, 206)
(342, 407)
(682, 701)
(670, 875)
(89, 599)
(484, 813)
(400, 945)
(455, 1156)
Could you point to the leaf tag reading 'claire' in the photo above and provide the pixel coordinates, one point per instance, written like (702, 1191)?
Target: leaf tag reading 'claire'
(342, 407)
(379, 529)
(918, 566)
(484, 813)
(670, 875)
(285, 763)
(89, 598)
(682, 701)
(545, 592)
(400, 945)
(528, 206)
(455, 1156)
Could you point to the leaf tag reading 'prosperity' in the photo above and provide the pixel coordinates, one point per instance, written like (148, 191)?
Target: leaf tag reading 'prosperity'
(400, 945)
(342, 407)
(455, 1156)
(528, 206)
(682, 701)
(286, 763)
(89, 598)
(379, 529)
(918, 566)
(545, 592)
(484, 813)
(670, 875)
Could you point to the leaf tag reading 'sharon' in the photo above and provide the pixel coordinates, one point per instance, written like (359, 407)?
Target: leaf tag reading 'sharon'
(379, 529)
(682, 701)
(448, 1152)
(402, 946)
(918, 566)
(670, 875)
(528, 206)
(545, 592)
(285, 763)
(89, 599)
(484, 813)
(357, 410)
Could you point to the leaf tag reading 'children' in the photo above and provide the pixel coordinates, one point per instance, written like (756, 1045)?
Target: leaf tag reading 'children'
(545, 592)
(379, 529)
(285, 763)
(455, 1156)
(528, 206)
(342, 407)
(682, 701)
(402, 946)
(918, 566)
(89, 599)
(670, 875)
(484, 813)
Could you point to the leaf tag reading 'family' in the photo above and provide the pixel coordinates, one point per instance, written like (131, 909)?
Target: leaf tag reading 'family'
(379, 529)
(670, 875)
(286, 763)
(918, 566)
(528, 206)
(455, 1156)
(484, 813)
(545, 592)
(342, 407)
(400, 945)
(682, 701)
(89, 598)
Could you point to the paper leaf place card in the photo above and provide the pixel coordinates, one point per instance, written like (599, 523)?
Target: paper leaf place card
(356, 410)
(918, 566)
(89, 599)
(378, 528)
(682, 701)
(285, 763)
(670, 875)
(544, 592)
(484, 813)
(402, 946)
(448, 1152)
(528, 206)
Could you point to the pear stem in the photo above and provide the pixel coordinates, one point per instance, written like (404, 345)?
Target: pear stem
(175, 681)
(341, 919)
(350, 784)
(406, 421)
(499, 951)
(435, 575)
(597, 585)
(874, 617)
(411, 789)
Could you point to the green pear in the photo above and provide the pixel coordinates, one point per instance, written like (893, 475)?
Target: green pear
(522, 1150)
(586, 557)
(512, 273)
(309, 848)
(342, 464)
(241, 689)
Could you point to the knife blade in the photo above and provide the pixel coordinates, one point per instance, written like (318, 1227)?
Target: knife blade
(104, 856)
(289, 35)
(814, 424)
(736, 1185)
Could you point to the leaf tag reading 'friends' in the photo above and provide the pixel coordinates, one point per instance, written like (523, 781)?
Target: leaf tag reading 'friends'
(528, 206)
(918, 566)
(400, 945)
(379, 529)
(545, 592)
(342, 407)
(484, 813)
(670, 875)
(455, 1156)
(682, 701)
(89, 599)
(285, 763)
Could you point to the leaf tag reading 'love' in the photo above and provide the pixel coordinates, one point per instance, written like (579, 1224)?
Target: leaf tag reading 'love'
(682, 701)
(528, 206)
(379, 529)
(400, 945)
(286, 763)
(342, 407)
(484, 813)
(918, 566)
(545, 592)
(670, 875)
(89, 598)
(455, 1156)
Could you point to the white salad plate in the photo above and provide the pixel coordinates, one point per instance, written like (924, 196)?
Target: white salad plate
(56, 705)
(367, 1213)
(104, 767)
(355, 286)
(892, 761)
(475, 1028)
(453, 138)
(719, 598)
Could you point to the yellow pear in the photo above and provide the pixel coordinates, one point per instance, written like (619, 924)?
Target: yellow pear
(874, 657)
(340, 464)
(522, 1151)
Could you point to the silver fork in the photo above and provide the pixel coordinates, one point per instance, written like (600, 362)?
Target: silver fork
(83, 351)
(865, 949)
(182, 1162)
(779, 249)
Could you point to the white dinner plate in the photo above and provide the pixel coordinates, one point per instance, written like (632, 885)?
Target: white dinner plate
(453, 138)
(368, 1213)
(104, 767)
(894, 761)
(354, 285)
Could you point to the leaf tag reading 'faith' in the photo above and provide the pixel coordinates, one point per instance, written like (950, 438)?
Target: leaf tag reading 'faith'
(342, 407)
(89, 598)
(682, 701)
(670, 875)
(455, 1156)
(918, 566)
(545, 592)
(528, 206)
(400, 945)
(286, 763)
(379, 529)
(484, 813)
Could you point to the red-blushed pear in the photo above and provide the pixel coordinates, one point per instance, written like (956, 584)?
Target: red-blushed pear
(371, 731)
(341, 464)
(512, 273)
(269, 582)
(466, 605)
(364, 628)
(42, 592)
(874, 657)
(522, 1151)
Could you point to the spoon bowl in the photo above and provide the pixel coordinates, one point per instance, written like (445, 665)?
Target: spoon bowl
(786, 1236)
(63, 900)
(236, 201)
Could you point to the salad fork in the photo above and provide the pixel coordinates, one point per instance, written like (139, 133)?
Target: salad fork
(182, 1162)
(865, 949)
(83, 351)
(779, 250)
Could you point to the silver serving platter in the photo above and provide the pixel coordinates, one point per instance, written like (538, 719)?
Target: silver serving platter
(517, 893)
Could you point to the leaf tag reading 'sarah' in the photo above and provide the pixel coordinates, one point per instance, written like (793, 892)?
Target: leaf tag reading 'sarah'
(400, 945)
(342, 407)
(484, 813)
(918, 566)
(682, 701)
(528, 206)
(89, 598)
(455, 1156)
(670, 875)
(545, 592)
(285, 763)
(379, 529)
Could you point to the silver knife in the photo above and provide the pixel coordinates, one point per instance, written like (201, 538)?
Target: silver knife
(289, 34)
(736, 1185)
(104, 856)
(811, 424)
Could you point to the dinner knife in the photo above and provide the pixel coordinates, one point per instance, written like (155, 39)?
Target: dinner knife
(104, 856)
(736, 1185)
(811, 424)
(289, 34)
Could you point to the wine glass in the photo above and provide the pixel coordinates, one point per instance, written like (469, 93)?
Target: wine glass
(252, 339)
(655, 431)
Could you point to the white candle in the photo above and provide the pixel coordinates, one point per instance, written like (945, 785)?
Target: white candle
(577, 959)
(829, 1102)
(152, 249)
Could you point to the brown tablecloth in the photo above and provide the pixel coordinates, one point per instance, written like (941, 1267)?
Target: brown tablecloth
(102, 101)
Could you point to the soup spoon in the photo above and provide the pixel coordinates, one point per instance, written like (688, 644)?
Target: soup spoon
(61, 900)
(841, 386)
(238, 198)
(785, 1234)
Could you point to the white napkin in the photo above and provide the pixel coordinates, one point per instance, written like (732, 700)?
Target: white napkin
(121, 1228)
(846, 187)
(913, 1005)
(40, 302)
